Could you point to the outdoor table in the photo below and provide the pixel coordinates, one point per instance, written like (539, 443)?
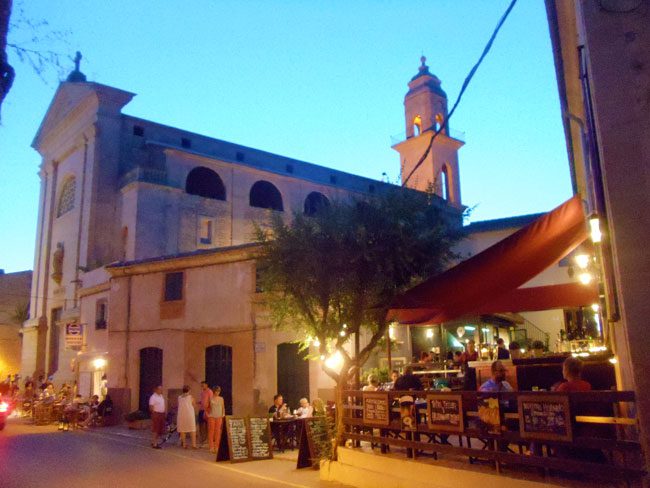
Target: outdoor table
(284, 433)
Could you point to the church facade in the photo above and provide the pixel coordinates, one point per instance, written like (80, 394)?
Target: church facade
(144, 265)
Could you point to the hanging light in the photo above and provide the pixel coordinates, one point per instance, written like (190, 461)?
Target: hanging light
(596, 234)
(391, 333)
(429, 333)
(585, 278)
(582, 260)
(342, 333)
(316, 342)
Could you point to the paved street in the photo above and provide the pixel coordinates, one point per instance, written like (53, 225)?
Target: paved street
(33, 456)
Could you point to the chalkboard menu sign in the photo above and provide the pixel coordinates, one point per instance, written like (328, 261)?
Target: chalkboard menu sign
(313, 431)
(445, 412)
(245, 439)
(545, 417)
(376, 409)
(260, 437)
(237, 439)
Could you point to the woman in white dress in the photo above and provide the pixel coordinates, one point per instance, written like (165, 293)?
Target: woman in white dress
(186, 420)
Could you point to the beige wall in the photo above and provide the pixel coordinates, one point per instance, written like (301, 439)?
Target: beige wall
(14, 293)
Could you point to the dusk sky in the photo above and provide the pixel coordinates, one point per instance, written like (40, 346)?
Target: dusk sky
(321, 81)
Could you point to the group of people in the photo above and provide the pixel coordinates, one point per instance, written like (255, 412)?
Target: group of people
(206, 417)
(281, 411)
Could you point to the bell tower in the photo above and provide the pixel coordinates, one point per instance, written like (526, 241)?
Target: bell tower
(425, 110)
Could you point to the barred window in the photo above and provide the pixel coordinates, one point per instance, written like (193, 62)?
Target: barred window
(66, 196)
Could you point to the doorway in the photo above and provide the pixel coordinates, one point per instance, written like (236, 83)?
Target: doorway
(218, 372)
(293, 373)
(151, 361)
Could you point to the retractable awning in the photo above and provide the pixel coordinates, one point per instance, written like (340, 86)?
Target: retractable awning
(490, 281)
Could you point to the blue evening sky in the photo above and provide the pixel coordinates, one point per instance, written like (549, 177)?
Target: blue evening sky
(321, 81)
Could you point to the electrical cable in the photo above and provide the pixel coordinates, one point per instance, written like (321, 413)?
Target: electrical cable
(468, 78)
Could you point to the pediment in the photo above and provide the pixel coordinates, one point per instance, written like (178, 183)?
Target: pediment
(70, 97)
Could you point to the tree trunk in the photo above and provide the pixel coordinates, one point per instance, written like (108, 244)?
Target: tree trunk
(341, 385)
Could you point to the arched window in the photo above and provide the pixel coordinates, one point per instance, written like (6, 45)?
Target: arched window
(439, 121)
(444, 177)
(417, 125)
(66, 196)
(314, 202)
(205, 183)
(265, 195)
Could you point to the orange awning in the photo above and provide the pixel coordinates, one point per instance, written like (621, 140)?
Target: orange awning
(489, 281)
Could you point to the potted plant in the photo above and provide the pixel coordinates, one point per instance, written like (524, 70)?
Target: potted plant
(538, 349)
(136, 420)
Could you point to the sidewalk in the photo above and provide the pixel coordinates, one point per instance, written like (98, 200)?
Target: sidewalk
(280, 469)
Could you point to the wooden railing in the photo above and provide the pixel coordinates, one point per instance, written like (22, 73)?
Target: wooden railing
(589, 434)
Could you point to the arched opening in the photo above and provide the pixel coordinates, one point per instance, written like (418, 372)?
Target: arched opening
(417, 125)
(315, 202)
(265, 195)
(218, 372)
(205, 183)
(438, 121)
(293, 373)
(444, 180)
(151, 363)
(66, 196)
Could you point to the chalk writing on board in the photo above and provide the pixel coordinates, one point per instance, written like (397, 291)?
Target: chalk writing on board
(545, 417)
(260, 439)
(238, 438)
(376, 408)
(445, 412)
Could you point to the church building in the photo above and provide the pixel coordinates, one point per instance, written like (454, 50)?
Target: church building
(144, 267)
(145, 258)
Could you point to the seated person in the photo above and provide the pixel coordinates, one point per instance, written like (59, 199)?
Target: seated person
(572, 372)
(457, 359)
(373, 383)
(319, 407)
(91, 411)
(502, 352)
(305, 411)
(105, 408)
(408, 381)
(393, 378)
(498, 381)
(515, 350)
(425, 357)
(279, 409)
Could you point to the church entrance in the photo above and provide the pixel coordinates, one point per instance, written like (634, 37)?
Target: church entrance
(293, 373)
(151, 360)
(218, 372)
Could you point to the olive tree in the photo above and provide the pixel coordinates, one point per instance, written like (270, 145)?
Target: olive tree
(333, 274)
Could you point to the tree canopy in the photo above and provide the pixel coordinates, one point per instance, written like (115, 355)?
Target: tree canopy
(345, 263)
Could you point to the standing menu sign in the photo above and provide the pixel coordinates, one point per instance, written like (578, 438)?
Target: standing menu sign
(445, 412)
(376, 409)
(259, 429)
(245, 439)
(313, 431)
(545, 417)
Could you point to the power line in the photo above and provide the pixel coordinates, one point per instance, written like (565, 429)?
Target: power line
(469, 77)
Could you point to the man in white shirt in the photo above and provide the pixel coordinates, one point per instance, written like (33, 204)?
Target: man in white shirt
(157, 410)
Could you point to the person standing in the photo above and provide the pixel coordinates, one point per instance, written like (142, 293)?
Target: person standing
(206, 394)
(186, 419)
(216, 413)
(157, 410)
(502, 352)
(471, 354)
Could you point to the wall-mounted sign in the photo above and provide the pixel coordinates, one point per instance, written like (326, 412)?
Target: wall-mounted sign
(545, 417)
(74, 335)
(376, 409)
(445, 412)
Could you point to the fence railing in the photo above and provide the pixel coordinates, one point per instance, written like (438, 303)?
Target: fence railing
(591, 434)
